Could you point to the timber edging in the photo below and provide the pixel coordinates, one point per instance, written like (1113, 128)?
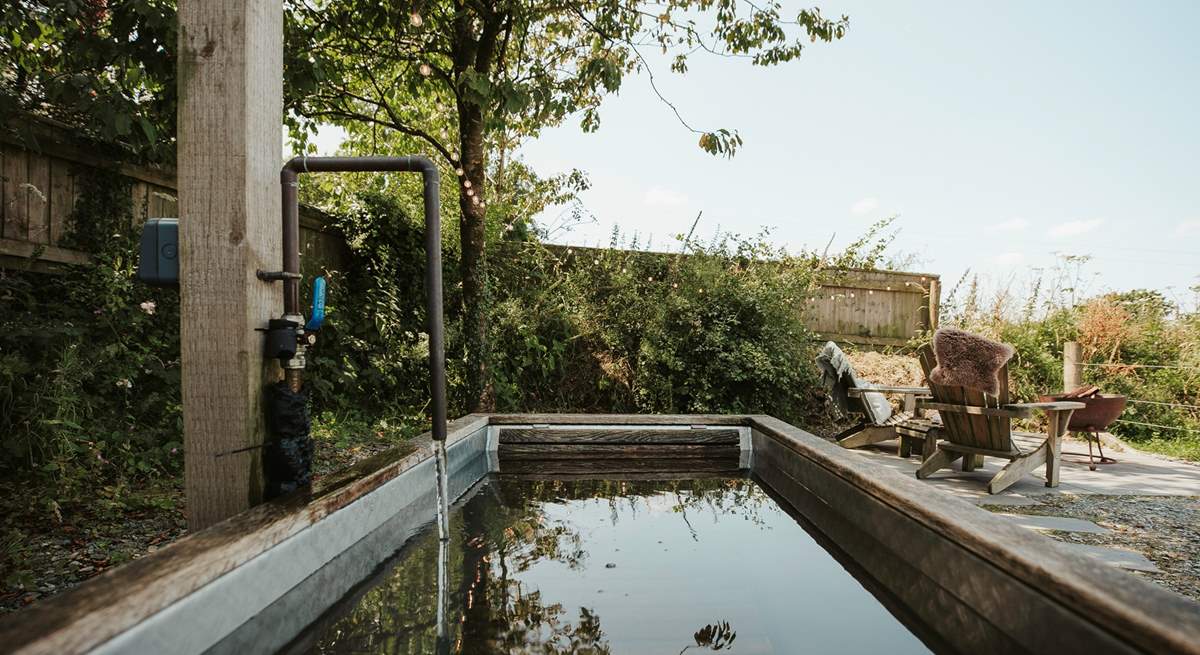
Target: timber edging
(1133, 612)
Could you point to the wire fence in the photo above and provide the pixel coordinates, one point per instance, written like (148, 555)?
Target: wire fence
(1155, 402)
(1156, 425)
(1188, 408)
(1120, 365)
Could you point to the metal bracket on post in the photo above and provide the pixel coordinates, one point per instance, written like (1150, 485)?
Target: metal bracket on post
(275, 276)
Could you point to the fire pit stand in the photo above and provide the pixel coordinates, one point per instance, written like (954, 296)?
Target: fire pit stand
(1100, 412)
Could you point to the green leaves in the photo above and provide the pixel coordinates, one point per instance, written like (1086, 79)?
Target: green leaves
(98, 66)
(475, 87)
(721, 142)
(523, 67)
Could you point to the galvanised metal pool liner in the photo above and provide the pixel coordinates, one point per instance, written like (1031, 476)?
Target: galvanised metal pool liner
(969, 579)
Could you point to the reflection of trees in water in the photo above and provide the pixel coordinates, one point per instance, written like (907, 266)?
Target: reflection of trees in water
(499, 533)
(714, 636)
(716, 497)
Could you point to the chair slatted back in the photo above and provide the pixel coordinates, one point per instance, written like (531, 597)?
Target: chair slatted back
(991, 432)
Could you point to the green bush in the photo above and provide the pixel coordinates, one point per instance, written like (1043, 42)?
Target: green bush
(89, 359)
(372, 354)
(1136, 343)
(719, 329)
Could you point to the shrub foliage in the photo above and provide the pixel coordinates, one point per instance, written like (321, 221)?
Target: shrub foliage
(1136, 343)
(89, 359)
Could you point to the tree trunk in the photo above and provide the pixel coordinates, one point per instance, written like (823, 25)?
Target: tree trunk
(473, 235)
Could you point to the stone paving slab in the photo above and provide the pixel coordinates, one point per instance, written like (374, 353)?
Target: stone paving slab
(1059, 523)
(1134, 474)
(1125, 559)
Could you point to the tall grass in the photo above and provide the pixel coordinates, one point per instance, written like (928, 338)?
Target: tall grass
(1139, 343)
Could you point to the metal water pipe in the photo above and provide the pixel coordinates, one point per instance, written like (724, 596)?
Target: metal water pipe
(290, 275)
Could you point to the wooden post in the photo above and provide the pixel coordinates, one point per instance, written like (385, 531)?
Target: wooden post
(935, 302)
(230, 151)
(1072, 366)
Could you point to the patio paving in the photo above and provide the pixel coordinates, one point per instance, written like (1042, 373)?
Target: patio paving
(1135, 474)
(1059, 523)
(1119, 557)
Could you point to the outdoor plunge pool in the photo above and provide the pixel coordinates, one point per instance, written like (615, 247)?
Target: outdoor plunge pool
(614, 534)
(604, 566)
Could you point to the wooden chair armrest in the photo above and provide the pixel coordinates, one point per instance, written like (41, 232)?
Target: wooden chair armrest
(1058, 406)
(921, 392)
(1008, 411)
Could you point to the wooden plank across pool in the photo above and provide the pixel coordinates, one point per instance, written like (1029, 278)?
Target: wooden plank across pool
(643, 452)
(619, 437)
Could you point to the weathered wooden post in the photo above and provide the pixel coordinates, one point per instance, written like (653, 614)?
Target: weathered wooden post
(935, 302)
(230, 145)
(1072, 366)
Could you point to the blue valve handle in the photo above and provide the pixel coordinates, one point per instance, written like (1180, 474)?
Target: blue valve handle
(318, 305)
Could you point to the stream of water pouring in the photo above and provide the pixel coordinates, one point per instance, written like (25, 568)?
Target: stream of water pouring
(443, 522)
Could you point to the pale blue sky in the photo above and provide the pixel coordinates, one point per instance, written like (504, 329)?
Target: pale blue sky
(1000, 132)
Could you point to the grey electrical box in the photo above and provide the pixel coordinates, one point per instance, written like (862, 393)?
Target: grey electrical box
(158, 264)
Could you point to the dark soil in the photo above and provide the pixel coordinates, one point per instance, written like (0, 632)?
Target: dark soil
(46, 549)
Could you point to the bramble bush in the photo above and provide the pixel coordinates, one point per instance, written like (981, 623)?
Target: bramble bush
(1136, 343)
(89, 359)
(716, 328)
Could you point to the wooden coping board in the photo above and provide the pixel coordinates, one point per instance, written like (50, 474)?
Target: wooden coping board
(613, 452)
(990, 565)
(1136, 613)
(619, 437)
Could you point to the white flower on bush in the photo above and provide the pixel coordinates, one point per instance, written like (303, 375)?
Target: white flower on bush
(148, 307)
(125, 383)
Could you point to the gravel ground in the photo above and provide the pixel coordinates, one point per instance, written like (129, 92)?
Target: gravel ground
(42, 554)
(1166, 529)
(329, 458)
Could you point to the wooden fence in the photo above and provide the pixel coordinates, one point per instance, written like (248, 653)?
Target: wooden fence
(868, 308)
(875, 308)
(38, 195)
(872, 308)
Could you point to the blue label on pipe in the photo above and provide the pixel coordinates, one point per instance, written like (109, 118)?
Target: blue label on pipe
(318, 305)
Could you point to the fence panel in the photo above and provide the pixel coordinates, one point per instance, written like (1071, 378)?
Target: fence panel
(38, 195)
(874, 308)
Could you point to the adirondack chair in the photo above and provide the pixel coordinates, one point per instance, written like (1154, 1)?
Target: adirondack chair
(878, 422)
(976, 424)
(909, 424)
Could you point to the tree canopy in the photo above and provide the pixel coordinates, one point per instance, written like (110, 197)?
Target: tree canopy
(103, 67)
(471, 78)
(522, 66)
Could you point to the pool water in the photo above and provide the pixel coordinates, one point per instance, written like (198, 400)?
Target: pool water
(688, 566)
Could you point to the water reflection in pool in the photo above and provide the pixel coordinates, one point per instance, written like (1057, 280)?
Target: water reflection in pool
(614, 567)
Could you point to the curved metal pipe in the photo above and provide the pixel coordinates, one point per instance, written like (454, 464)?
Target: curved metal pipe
(288, 178)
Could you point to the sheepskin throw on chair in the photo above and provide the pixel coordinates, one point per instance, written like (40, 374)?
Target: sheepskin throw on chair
(968, 360)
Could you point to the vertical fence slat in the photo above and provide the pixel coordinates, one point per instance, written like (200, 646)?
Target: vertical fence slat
(16, 205)
(162, 202)
(171, 206)
(140, 193)
(38, 198)
(62, 198)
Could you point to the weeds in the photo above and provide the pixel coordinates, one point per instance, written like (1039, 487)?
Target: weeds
(1137, 343)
